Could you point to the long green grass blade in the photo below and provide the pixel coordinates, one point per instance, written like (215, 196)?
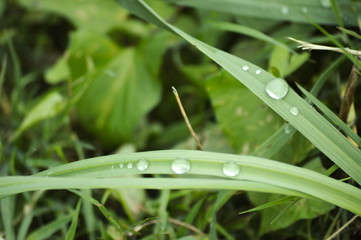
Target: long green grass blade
(74, 223)
(256, 174)
(49, 229)
(309, 122)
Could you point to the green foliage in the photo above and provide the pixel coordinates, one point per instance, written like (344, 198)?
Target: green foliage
(85, 79)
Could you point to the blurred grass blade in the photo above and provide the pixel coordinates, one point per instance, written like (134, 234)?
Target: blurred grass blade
(332, 116)
(251, 32)
(308, 122)
(269, 204)
(7, 214)
(2, 74)
(46, 231)
(289, 10)
(351, 33)
(74, 223)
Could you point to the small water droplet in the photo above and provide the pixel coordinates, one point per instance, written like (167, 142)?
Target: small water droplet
(130, 165)
(231, 169)
(294, 111)
(245, 68)
(285, 10)
(77, 174)
(277, 88)
(50, 172)
(326, 3)
(142, 164)
(288, 129)
(258, 71)
(121, 165)
(181, 166)
(304, 9)
(112, 166)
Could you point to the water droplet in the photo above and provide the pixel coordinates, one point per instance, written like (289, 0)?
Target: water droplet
(112, 166)
(288, 129)
(294, 111)
(142, 164)
(121, 165)
(258, 71)
(231, 169)
(326, 3)
(304, 9)
(245, 68)
(181, 166)
(285, 10)
(77, 174)
(50, 172)
(130, 165)
(277, 88)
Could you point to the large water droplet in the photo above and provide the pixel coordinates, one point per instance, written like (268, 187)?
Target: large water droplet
(285, 10)
(258, 71)
(231, 169)
(181, 166)
(142, 164)
(326, 3)
(130, 165)
(277, 88)
(294, 111)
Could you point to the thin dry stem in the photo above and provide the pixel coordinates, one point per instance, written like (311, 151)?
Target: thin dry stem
(310, 46)
(200, 147)
(342, 228)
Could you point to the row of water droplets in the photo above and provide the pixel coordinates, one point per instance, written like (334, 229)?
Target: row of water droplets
(324, 3)
(183, 166)
(141, 165)
(276, 89)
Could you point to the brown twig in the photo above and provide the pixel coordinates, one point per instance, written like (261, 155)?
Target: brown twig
(200, 147)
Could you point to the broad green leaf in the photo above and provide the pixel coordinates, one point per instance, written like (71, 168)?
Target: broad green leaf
(95, 15)
(244, 118)
(319, 11)
(285, 214)
(49, 106)
(121, 93)
(286, 62)
(308, 122)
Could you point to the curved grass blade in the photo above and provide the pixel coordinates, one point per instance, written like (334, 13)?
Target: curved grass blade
(256, 174)
(308, 122)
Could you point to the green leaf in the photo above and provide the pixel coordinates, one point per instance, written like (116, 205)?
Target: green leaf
(7, 206)
(49, 106)
(289, 10)
(244, 118)
(95, 15)
(122, 92)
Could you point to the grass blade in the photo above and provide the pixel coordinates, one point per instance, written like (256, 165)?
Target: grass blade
(74, 223)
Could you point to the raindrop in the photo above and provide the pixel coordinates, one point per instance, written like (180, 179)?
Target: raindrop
(121, 165)
(231, 169)
(142, 164)
(130, 165)
(285, 10)
(245, 68)
(112, 166)
(258, 71)
(288, 129)
(304, 9)
(277, 88)
(50, 172)
(181, 166)
(326, 3)
(294, 111)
